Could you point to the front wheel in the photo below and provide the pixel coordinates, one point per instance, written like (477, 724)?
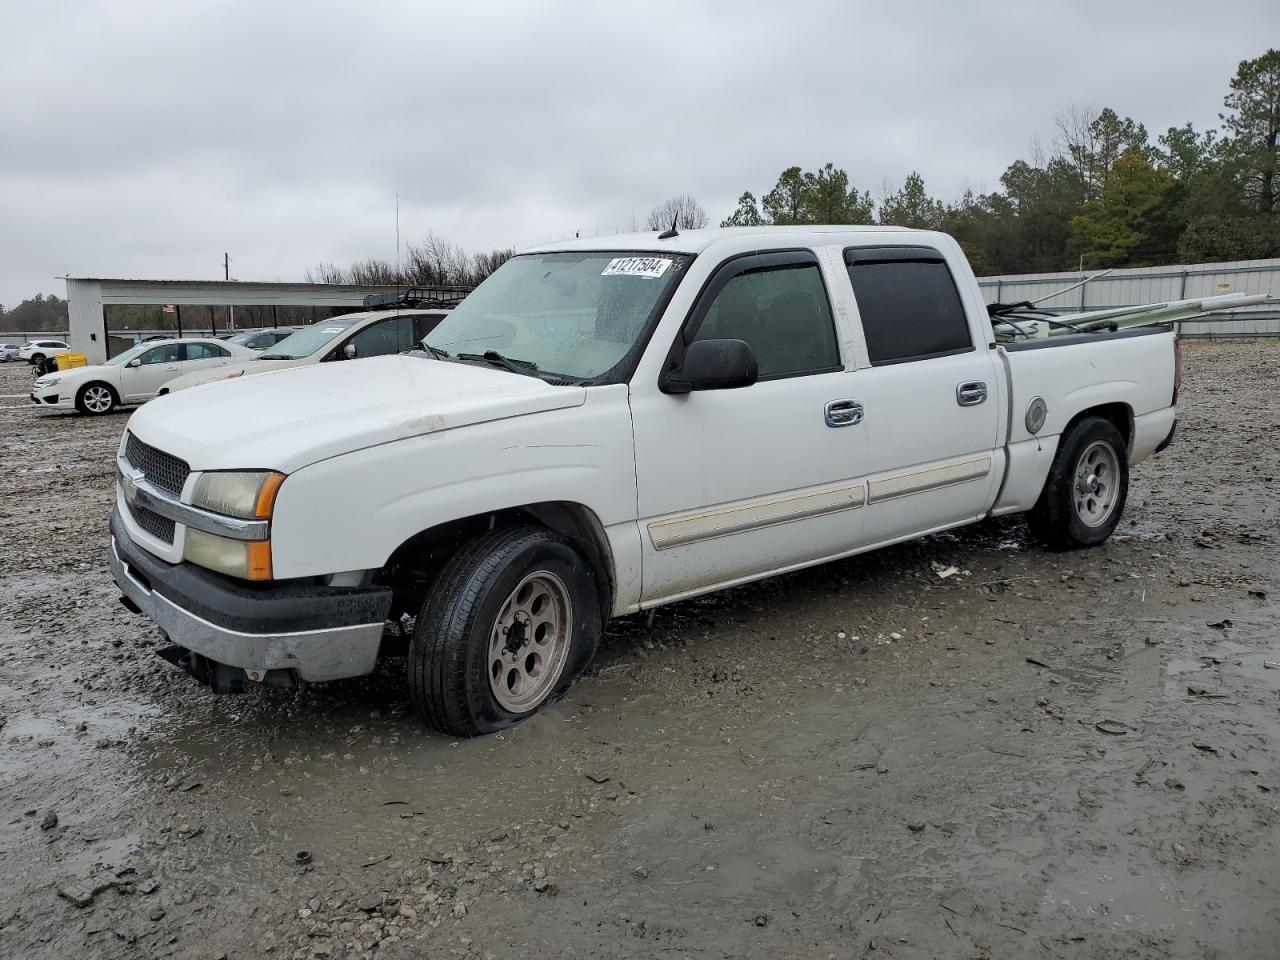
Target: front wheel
(96, 399)
(509, 622)
(1085, 492)
(37, 359)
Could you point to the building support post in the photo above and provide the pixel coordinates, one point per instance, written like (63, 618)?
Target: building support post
(88, 324)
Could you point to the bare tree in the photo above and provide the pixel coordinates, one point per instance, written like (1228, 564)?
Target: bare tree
(434, 262)
(682, 209)
(326, 273)
(1092, 140)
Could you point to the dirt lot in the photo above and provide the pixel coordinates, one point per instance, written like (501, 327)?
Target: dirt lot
(1046, 755)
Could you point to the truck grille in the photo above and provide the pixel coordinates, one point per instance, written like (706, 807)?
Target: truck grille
(159, 527)
(162, 469)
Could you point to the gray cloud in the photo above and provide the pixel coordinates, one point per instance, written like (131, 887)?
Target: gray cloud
(143, 139)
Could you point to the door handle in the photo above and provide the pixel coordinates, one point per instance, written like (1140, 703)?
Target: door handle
(971, 394)
(843, 413)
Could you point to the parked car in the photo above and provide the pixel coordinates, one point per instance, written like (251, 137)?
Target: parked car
(9, 352)
(368, 334)
(134, 376)
(600, 429)
(35, 351)
(260, 339)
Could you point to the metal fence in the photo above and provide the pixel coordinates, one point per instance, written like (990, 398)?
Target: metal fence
(1129, 287)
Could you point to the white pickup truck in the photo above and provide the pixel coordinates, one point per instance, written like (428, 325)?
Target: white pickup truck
(603, 427)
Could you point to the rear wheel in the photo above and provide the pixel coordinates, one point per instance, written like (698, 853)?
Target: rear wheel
(1085, 492)
(96, 399)
(507, 625)
(37, 359)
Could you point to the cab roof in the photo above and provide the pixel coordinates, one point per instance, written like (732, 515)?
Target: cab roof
(698, 241)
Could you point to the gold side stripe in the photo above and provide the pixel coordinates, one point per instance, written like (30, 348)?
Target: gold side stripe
(902, 484)
(739, 519)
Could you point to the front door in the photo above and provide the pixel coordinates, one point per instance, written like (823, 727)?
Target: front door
(931, 397)
(736, 482)
(154, 368)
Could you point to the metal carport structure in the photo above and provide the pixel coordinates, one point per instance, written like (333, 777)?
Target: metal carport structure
(87, 296)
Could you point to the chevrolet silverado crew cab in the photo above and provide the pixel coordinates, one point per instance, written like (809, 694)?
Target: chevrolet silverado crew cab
(603, 427)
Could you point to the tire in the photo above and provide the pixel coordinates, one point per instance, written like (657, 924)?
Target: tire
(530, 578)
(1086, 490)
(36, 359)
(96, 398)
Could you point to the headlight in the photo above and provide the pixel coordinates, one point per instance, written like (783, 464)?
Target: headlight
(248, 495)
(246, 559)
(43, 382)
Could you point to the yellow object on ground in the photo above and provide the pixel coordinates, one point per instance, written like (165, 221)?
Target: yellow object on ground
(68, 360)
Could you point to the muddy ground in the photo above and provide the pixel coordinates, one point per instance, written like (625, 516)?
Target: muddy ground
(1046, 755)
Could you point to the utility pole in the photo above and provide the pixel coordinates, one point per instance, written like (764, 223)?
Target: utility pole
(226, 274)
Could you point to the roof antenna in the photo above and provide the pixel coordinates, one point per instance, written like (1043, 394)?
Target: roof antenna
(673, 232)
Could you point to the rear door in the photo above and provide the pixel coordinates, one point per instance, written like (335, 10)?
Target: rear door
(204, 355)
(931, 395)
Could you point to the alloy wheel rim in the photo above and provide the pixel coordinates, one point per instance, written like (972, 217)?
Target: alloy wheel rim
(529, 643)
(1097, 483)
(97, 399)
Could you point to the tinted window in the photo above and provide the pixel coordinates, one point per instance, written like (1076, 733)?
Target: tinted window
(205, 351)
(910, 308)
(166, 354)
(424, 323)
(783, 313)
(383, 338)
(52, 344)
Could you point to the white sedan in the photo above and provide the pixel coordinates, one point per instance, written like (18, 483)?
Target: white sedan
(134, 376)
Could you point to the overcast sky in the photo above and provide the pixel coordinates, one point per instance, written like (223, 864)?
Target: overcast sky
(144, 139)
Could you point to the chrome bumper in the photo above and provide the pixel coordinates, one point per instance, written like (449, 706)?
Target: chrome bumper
(316, 655)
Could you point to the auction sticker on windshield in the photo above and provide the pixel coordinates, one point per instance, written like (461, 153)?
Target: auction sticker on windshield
(636, 267)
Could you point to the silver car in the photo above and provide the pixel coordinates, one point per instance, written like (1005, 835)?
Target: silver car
(9, 352)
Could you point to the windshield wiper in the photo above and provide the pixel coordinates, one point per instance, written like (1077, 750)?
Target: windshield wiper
(437, 352)
(274, 356)
(527, 367)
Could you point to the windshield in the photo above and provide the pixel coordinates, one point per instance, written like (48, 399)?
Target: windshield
(241, 338)
(306, 342)
(128, 355)
(574, 315)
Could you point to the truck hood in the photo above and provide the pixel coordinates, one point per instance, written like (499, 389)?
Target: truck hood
(300, 416)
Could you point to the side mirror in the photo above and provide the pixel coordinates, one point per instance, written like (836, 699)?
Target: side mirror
(714, 365)
(135, 362)
(349, 352)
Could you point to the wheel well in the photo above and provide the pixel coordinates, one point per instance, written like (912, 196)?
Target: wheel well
(414, 564)
(1119, 414)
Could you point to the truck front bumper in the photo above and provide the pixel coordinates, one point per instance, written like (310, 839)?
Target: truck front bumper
(315, 633)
